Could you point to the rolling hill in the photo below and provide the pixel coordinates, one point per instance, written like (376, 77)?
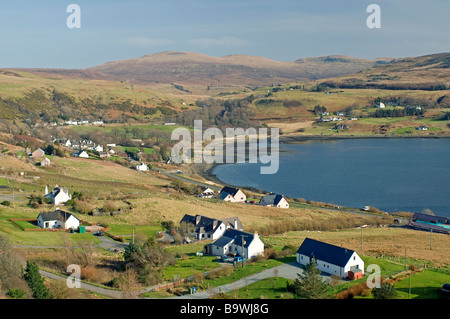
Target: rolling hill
(195, 68)
(429, 72)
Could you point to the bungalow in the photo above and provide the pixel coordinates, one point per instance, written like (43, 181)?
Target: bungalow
(210, 228)
(58, 219)
(206, 193)
(274, 200)
(59, 195)
(331, 259)
(237, 242)
(230, 194)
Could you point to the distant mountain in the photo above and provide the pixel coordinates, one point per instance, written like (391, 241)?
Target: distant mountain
(196, 68)
(429, 72)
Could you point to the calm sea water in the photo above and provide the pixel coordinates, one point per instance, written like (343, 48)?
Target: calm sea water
(390, 174)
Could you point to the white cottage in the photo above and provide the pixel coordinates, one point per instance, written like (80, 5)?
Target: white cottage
(58, 219)
(142, 167)
(274, 200)
(331, 259)
(59, 195)
(234, 195)
(237, 242)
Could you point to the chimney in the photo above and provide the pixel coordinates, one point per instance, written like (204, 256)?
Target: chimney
(197, 219)
(235, 223)
(46, 190)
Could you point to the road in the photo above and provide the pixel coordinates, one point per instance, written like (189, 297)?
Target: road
(288, 271)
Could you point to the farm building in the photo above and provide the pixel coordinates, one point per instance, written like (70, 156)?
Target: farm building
(331, 259)
(57, 219)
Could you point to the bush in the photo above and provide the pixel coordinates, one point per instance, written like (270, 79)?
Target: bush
(16, 293)
(6, 203)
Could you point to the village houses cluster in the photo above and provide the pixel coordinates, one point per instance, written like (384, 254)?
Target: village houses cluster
(227, 238)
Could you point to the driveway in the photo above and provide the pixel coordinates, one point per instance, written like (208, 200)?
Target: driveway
(288, 271)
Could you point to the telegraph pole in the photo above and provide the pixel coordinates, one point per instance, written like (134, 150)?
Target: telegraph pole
(431, 239)
(243, 254)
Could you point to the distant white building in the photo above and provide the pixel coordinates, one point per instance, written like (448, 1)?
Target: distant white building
(59, 195)
(82, 154)
(142, 167)
(274, 200)
(98, 148)
(381, 105)
(57, 219)
(231, 194)
(206, 193)
(45, 162)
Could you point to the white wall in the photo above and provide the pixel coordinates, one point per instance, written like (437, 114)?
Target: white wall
(331, 268)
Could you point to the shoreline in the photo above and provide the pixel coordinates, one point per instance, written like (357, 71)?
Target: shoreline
(206, 170)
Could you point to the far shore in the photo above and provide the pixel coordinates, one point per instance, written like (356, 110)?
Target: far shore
(206, 170)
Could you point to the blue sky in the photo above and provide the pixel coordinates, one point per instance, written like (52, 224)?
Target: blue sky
(34, 33)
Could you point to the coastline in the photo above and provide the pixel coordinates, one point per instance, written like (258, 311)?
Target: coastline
(206, 170)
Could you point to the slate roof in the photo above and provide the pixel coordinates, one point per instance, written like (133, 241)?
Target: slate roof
(271, 199)
(228, 190)
(56, 215)
(206, 224)
(325, 252)
(234, 236)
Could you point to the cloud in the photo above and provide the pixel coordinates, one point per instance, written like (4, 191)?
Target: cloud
(147, 42)
(227, 41)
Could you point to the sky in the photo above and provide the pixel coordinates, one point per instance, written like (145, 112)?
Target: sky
(34, 33)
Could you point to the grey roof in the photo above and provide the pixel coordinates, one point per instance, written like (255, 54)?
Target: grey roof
(228, 190)
(325, 252)
(234, 236)
(206, 224)
(55, 215)
(271, 199)
(56, 191)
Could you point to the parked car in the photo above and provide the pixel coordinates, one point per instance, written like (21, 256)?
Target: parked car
(99, 233)
(226, 259)
(239, 259)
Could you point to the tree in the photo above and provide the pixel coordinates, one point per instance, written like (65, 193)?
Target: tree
(35, 281)
(310, 285)
(386, 291)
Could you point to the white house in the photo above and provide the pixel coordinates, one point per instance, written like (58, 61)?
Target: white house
(422, 128)
(45, 162)
(331, 259)
(58, 219)
(59, 195)
(237, 242)
(210, 228)
(82, 154)
(274, 200)
(98, 148)
(142, 167)
(381, 105)
(206, 193)
(230, 194)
